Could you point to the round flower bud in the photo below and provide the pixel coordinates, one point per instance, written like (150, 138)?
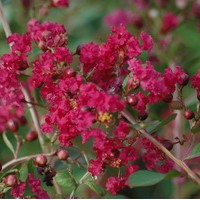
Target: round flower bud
(168, 98)
(31, 136)
(22, 120)
(189, 114)
(132, 100)
(185, 80)
(22, 65)
(198, 96)
(41, 160)
(13, 125)
(78, 49)
(168, 144)
(133, 83)
(10, 180)
(62, 154)
(69, 73)
(142, 116)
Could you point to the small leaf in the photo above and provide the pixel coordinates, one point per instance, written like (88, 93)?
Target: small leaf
(96, 188)
(195, 128)
(9, 144)
(173, 173)
(144, 178)
(195, 152)
(23, 77)
(65, 179)
(156, 126)
(125, 81)
(23, 171)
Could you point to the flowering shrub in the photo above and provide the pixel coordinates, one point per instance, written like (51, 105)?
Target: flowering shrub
(91, 110)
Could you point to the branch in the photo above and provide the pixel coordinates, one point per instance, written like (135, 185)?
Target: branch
(22, 159)
(34, 115)
(4, 21)
(180, 163)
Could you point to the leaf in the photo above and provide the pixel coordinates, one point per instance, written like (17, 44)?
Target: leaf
(23, 77)
(144, 178)
(23, 171)
(125, 81)
(65, 179)
(119, 196)
(172, 174)
(195, 128)
(96, 188)
(195, 152)
(9, 144)
(156, 126)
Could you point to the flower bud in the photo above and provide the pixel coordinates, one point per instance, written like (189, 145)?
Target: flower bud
(13, 125)
(78, 49)
(22, 120)
(189, 114)
(185, 80)
(62, 154)
(196, 8)
(10, 180)
(133, 83)
(31, 136)
(69, 73)
(132, 100)
(142, 115)
(198, 96)
(168, 144)
(41, 160)
(168, 98)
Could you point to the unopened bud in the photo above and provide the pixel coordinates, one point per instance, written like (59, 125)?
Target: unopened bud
(10, 180)
(41, 160)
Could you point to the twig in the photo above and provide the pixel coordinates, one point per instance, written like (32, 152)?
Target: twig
(180, 163)
(18, 144)
(4, 21)
(22, 159)
(34, 116)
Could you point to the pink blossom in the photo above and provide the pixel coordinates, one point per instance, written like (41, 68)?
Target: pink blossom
(169, 22)
(18, 190)
(115, 184)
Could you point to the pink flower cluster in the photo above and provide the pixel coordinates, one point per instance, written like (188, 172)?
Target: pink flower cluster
(11, 67)
(87, 100)
(155, 158)
(34, 183)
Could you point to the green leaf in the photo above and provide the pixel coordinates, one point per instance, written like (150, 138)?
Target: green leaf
(125, 81)
(23, 77)
(23, 171)
(156, 126)
(119, 196)
(173, 174)
(195, 128)
(195, 152)
(96, 188)
(65, 179)
(9, 144)
(144, 178)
